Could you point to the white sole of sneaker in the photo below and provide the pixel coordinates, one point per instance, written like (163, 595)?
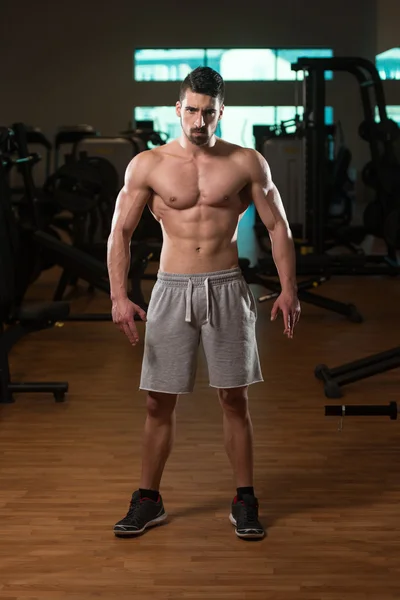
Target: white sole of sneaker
(153, 523)
(246, 536)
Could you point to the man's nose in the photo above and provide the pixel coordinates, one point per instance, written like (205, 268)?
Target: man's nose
(200, 120)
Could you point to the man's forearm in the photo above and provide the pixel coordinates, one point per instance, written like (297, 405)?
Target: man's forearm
(284, 255)
(118, 261)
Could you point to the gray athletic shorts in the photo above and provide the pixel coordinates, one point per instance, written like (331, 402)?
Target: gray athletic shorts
(217, 309)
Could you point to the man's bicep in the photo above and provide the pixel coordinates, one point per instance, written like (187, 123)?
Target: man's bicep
(265, 194)
(134, 195)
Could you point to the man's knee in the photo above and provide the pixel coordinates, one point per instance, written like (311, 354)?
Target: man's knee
(160, 405)
(234, 400)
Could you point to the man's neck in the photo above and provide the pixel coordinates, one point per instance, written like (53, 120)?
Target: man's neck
(194, 150)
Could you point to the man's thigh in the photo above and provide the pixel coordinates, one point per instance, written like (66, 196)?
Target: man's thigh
(229, 339)
(170, 345)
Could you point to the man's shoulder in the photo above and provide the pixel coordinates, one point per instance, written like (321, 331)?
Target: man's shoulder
(252, 163)
(159, 153)
(246, 156)
(236, 149)
(145, 159)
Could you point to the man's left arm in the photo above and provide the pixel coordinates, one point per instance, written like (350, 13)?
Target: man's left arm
(269, 206)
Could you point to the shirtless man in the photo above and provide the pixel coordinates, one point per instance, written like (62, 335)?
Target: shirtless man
(197, 187)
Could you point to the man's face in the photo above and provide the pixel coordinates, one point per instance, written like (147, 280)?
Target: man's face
(199, 115)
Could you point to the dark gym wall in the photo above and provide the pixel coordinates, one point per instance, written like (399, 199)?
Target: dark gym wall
(67, 63)
(388, 36)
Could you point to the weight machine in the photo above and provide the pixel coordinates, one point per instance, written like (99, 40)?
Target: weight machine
(18, 319)
(382, 217)
(78, 184)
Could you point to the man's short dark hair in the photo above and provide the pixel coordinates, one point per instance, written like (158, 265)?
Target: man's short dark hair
(204, 80)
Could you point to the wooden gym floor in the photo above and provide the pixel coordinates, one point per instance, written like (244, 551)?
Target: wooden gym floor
(329, 499)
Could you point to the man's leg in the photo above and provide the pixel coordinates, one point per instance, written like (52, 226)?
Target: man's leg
(238, 433)
(238, 438)
(169, 364)
(146, 507)
(158, 438)
(231, 351)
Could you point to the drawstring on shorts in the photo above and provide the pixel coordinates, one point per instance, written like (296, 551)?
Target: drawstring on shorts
(189, 292)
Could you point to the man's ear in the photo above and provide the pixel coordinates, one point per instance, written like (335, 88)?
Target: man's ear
(178, 108)
(221, 112)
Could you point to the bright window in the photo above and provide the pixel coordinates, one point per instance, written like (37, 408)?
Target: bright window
(237, 123)
(164, 119)
(234, 64)
(393, 112)
(285, 58)
(236, 126)
(166, 65)
(388, 64)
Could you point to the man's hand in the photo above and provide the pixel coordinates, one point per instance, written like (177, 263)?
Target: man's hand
(123, 314)
(289, 305)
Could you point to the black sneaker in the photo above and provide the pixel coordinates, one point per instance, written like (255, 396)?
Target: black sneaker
(244, 516)
(142, 513)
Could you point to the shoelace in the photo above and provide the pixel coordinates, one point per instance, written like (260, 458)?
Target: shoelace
(250, 514)
(132, 507)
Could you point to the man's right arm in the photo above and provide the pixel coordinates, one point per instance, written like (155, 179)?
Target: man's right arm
(129, 207)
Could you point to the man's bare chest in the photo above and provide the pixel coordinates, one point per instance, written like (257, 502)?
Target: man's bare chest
(184, 184)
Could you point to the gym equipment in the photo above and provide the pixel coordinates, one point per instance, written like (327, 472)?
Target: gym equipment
(19, 320)
(81, 265)
(76, 263)
(325, 185)
(303, 285)
(252, 275)
(330, 265)
(118, 151)
(28, 211)
(284, 155)
(284, 147)
(88, 190)
(354, 371)
(38, 144)
(384, 166)
(86, 187)
(69, 135)
(362, 410)
(145, 132)
(76, 185)
(321, 232)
